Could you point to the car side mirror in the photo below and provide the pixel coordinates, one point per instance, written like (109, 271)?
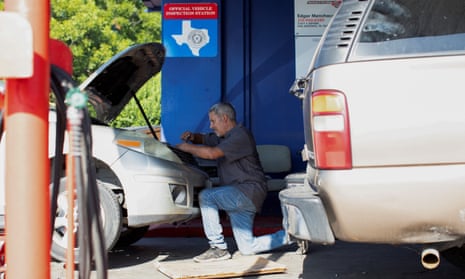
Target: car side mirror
(298, 87)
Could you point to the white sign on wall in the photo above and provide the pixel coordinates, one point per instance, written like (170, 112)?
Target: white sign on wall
(311, 17)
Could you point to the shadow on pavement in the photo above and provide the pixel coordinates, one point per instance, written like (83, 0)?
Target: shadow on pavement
(130, 256)
(355, 260)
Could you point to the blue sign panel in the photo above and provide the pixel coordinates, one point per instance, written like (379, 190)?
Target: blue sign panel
(190, 29)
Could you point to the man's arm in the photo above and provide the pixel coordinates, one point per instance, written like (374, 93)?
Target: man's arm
(202, 151)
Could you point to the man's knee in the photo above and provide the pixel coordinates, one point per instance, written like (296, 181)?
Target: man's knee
(205, 195)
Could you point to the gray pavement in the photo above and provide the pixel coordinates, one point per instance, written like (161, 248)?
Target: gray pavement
(342, 260)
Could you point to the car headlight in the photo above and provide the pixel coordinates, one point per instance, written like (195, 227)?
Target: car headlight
(142, 143)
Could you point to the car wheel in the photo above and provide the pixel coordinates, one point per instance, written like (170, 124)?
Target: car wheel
(131, 235)
(111, 216)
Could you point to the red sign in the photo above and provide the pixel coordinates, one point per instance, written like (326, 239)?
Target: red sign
(190, 11)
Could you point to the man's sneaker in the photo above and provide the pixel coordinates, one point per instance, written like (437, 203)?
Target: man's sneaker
(213, 254)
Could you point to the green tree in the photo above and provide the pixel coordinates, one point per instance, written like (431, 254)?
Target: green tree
(95, 30)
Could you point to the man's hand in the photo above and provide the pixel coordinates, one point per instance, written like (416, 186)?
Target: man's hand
(187, 136)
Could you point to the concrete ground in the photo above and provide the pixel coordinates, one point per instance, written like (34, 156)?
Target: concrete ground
(342, 260)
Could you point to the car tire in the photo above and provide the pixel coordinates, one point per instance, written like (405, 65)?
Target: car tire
(111, 217)
(129, 236)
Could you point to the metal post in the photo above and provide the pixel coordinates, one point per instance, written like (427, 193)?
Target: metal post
(27, 170)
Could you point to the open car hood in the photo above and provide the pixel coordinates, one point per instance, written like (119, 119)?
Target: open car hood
(113, 84)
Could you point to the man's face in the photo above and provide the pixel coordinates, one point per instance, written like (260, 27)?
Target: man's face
(218, 124)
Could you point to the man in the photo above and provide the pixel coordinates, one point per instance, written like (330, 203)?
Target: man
(243, 185)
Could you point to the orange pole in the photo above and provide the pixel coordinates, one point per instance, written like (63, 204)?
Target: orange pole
(27, 170)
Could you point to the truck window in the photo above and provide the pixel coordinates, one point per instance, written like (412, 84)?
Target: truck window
(412, 27)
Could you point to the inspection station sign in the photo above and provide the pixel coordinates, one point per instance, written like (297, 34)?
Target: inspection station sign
(190, 29)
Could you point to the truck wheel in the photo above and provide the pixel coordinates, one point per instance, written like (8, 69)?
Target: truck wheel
(110, 213)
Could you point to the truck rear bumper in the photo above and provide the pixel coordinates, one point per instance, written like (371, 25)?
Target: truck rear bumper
(304, 216)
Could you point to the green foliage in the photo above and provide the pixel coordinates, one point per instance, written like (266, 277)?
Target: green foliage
(149, 97)
(95, 30)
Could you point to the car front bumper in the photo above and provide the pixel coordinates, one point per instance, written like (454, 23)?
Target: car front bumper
(158, 191)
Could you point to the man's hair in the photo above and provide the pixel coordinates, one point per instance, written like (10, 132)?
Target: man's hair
(224, 109)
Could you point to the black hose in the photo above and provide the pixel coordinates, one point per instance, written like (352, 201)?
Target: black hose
(56, 78)
(83, 231)
(91, 240)
(90, 235)
(98, 246)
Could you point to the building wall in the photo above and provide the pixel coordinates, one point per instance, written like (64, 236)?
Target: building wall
(253, 68)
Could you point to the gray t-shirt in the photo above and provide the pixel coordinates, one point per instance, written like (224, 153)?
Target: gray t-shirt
(240, 165)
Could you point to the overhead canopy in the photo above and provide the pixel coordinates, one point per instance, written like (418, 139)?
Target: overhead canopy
(152, 4)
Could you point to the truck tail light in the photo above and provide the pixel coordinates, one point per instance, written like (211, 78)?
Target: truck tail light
(331, 130)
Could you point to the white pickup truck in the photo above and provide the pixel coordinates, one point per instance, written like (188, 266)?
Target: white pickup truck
(384, 117)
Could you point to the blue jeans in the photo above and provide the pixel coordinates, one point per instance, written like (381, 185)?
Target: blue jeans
(241, 213)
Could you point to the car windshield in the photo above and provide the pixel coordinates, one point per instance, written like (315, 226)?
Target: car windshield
(412, 27)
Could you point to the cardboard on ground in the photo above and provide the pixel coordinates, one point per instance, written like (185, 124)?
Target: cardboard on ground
(240, 266)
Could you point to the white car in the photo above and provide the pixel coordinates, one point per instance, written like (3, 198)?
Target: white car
(141, 180)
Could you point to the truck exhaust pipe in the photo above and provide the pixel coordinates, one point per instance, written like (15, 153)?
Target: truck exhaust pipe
(430, 258)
